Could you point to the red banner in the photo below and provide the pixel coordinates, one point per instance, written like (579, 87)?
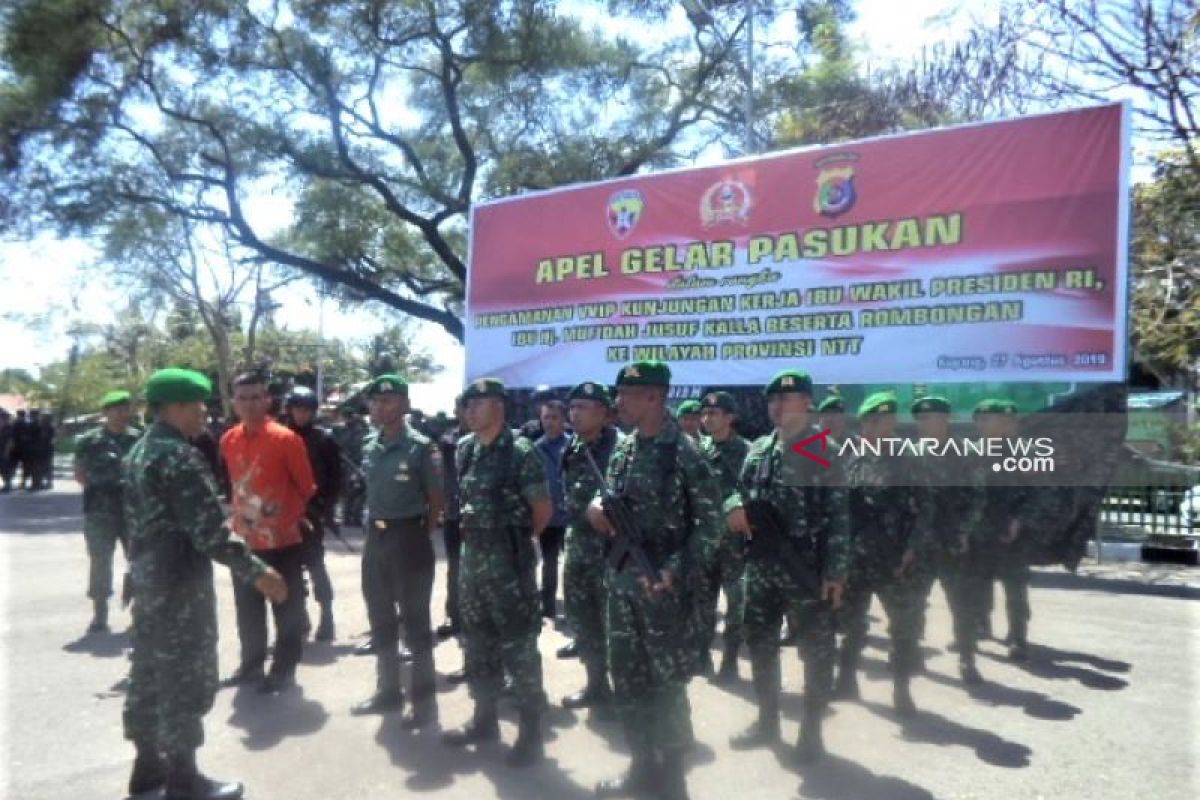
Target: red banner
(987, 252)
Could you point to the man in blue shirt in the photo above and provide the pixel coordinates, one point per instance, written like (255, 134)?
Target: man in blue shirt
(552, 444)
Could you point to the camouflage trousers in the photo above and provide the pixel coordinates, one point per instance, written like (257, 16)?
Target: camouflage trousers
(585, 597)
(903, 601)
(173, 670)
(1008, 564)
(501, 620)
(771, 593)
(648, 658)
(724, 571)
(101, 534)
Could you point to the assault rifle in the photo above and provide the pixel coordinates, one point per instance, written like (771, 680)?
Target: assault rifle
(627, 543)
(771, 543)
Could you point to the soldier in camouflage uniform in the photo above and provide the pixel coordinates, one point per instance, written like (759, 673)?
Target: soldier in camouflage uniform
(688, 417)
(805, 577)
(888, 557)
(726, 452)
(652, 621)
(350, 436)
(505, 504)
(831, 416)
(176, 530)
(584, 571)
(1008, 519)
(98, 455)
(951, 507)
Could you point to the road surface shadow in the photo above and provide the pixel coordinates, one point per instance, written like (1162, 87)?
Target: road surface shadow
(1092, 583)
(320, 654)
(837, 778)
(99, 645)
(269, 719)
(1035, 704)
(1044, 663)
(935, 729)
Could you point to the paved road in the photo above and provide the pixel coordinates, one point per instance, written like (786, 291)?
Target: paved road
(1106, 709)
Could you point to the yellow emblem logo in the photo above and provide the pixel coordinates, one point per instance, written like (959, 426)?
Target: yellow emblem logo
(632, 372)
(788, 380)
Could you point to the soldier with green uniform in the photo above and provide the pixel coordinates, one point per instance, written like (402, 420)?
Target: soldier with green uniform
(799, 570)
(403, 471)
(688, 417)
(951, 508)
(726, 452)
(652, 624)
(177, 528)
(831, 416)
(505, 504)
(889, 559)
(350, 437)
(98, 455)
(584, 571)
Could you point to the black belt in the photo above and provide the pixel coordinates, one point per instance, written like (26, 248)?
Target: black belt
(395, 522)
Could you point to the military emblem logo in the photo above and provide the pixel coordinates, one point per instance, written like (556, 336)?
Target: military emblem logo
(625, 211)
(632, 372)
(710, 400)
(589, 388)
(788, 380)
(481, 385)
(835, 185)
(726, 201)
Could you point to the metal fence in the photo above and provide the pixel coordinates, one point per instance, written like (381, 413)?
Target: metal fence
(1156, 510)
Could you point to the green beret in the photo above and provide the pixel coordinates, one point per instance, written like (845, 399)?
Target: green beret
(590, 390)
(930, 403)
(174, 385)
(995, 406)
(387, 384)
(116, 397)
(687, 407)
(789, 380)
(879, 403)
(832, 403)
(721, 400)
(645, 373)
(484, 387)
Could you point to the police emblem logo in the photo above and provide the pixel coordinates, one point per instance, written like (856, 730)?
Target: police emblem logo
(632, 372)
(725, 201)
(624, 211)
(836, 193)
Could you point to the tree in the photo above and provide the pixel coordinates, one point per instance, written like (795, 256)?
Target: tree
(379, 123)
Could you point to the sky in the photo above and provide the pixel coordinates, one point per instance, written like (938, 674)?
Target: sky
(46, 273)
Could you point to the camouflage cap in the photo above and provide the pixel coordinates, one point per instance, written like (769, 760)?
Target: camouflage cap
(687, 407)
(117, 397)
(995, 406)
(175, 385)
(484, 387)
(590, 390)
(645, 373)
(930, 403)
(387, 384)
(789, 380)
(721, 400)
(832, 404)
(879, 403)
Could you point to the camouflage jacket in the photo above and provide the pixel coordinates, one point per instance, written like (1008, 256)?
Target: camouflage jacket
(498, 481)
(726, 459)
(581, 485)
(677, 502)
(98, 455)
(812, 500)
(884, 505)
(176, 524)
(950, 502)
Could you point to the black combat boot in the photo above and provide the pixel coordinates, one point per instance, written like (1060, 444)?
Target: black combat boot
(764, 731)
(902, 698)
(325, 627)
(811, 746)
(967, 669)
(149, 770)
(99, 622)
(1018, 647)
(728, 673)
(185, 782)
(528, 749)
(638, 781)
(672, 775)
(846, 687)
(388, 694)
(596, 693)
(483, 727)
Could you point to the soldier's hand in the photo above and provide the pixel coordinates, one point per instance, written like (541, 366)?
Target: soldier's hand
(598, 519)
(271, 584)
(738, 522)
(833, 591)
(906, 562)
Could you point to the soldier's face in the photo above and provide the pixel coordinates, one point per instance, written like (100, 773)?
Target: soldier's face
(251, 402)
(789, 410)
(636, 404)
(717, 421)
(187, 418)
(835, 423)
(690, 423)
(117, 417)
(933, 424)
(996, 426)
(484, 413)
(302, 416)
(387, 410)
(588, 417)
(879, 426)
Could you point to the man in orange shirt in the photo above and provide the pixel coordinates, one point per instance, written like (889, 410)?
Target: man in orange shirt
(271, 481)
